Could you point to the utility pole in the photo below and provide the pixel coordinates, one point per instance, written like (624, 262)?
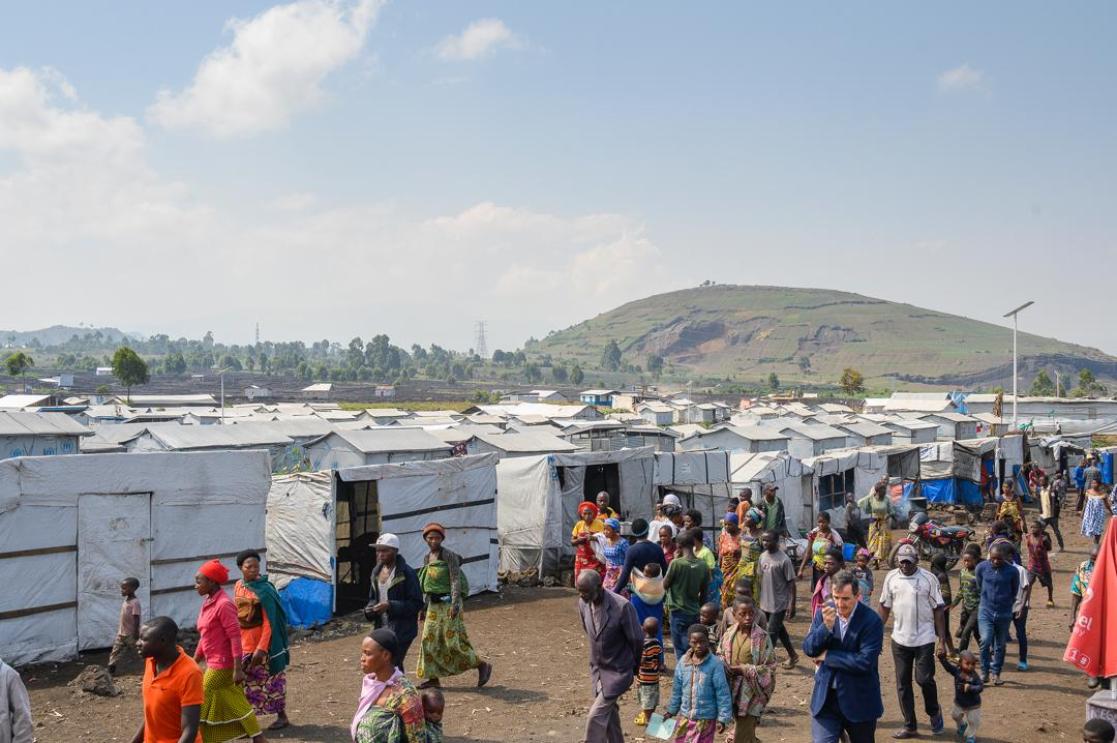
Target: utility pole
(257, 333)
(1057, 383)
(1015, 395)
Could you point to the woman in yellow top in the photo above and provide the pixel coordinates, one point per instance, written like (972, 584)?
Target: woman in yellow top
(1009, 511)
(583, 537)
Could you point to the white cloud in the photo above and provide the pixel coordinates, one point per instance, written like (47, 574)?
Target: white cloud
(144, 252)
(272, 69)
(478, 39)
(962, 77)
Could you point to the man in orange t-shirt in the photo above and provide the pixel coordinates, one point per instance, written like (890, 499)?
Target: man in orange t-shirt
(172, 687)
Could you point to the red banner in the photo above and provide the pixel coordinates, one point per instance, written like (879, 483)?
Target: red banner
(1092, 647)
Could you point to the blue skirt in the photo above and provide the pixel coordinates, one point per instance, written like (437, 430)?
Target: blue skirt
(645, 610)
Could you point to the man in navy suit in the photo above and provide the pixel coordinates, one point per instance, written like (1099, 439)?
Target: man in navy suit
(845, 641)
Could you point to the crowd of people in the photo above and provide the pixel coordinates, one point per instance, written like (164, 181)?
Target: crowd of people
(724, 609)
(726, 616)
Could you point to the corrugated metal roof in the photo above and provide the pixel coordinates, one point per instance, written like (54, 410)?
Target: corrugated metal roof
(527, 442)
(393, 438)
(164, 401)
(26, 423)
(18, 402)
(241, 436)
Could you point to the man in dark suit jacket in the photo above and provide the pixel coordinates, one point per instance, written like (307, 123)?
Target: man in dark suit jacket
(845, 640)
(616, 642)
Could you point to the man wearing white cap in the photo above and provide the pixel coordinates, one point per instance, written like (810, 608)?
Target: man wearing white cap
(395, 598)
(912, 597)
(668, 514)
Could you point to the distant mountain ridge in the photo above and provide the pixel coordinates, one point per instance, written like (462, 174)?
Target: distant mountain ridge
(744, 333)
(58, 334)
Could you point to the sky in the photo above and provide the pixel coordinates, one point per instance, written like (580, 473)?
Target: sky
(339, 169)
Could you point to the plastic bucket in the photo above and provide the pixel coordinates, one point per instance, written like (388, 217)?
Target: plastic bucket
(848, 551)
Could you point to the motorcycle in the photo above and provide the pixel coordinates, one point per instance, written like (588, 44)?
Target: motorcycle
(929, 536)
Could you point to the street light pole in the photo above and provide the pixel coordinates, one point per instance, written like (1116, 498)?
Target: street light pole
(1015, 396)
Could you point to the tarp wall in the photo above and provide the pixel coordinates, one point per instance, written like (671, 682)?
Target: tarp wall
(201, 505)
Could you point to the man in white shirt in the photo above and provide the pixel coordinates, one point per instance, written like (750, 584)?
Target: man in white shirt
(912, 597)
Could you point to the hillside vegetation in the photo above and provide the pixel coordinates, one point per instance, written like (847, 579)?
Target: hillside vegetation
(745, 333)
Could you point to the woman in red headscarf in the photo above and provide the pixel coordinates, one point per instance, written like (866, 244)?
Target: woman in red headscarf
(587, 538)
(226, 713)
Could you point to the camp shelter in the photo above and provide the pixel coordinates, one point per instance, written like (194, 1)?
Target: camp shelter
(27, 433)
(956, 472)
(809, 439)
(379, 445)
(322, 526)
(836, 474)
(71, 528)
(1054, 453)
(734, 438)
(522, 444)
(539, 497)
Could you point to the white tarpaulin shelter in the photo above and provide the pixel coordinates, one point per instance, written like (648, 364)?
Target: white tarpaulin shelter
(539, 497)
(312, 517)
(73, 527)
(855, 471)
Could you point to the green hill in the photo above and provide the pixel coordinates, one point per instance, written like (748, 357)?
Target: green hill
(744, 333)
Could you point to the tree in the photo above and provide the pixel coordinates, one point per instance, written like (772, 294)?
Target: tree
(129, 369)
(611, 356)
(230, 362)
(1088, 385)
(655, 365)
(532, 373)
(852, 381)
(1042, 386)
(576, 375)
(18, 363)
(559, 374)
(175, 363)
(773, 381)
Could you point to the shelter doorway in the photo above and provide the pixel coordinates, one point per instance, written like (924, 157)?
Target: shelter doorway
(358, 527)
(114, 542)
(605, 477)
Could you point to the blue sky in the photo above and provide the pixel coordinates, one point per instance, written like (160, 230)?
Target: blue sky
(340, 169)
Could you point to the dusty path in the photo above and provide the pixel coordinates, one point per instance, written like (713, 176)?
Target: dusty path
(540, 689)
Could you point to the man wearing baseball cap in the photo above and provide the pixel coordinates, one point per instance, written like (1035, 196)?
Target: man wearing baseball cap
(911, 596)
(395, 598)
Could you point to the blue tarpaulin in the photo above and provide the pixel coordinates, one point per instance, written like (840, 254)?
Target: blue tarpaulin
(951, 490)
(308, 602)
(1107, 467)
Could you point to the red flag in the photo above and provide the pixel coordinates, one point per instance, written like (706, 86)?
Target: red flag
(1092, 647)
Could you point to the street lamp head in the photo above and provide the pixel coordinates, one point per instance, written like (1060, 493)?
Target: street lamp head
(1024, 306)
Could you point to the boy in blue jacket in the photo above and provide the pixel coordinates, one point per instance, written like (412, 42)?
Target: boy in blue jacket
(700, 692)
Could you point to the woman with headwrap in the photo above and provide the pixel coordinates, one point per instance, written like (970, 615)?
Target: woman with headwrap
(751, 549)
(226, 713)
(444, 647)
(390, 710)
(879, 505)
(729, 556)
(263, 635)
(616, 548)
(589, 552)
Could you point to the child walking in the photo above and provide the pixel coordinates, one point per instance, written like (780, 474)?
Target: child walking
(129, 630)
(750, 662)
(647, 676)
(968, 596)
(700, 692)
(1038, 544)
(938, 569)
(967, 693)
(864, 575)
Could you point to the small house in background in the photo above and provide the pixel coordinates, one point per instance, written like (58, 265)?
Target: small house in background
(753, 439)
(104, 371)
(952, 426)
(256, 392)
(381, 445)
(384, 391)
(319, 391)
(656, 413)
(864, 433)
(598, 398)
(26, 434)
(522, 444)
(914, 432)
(991, 425)
(811, 439)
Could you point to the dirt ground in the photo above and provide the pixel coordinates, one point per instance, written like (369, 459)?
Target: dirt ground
(540, 689)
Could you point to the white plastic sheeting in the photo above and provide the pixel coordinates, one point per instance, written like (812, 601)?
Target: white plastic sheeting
(459, 493)
(201, 505)
(301, 527)
(538, 502)
(691, 468)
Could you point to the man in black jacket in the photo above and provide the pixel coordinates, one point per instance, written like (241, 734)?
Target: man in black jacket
(394, 599)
